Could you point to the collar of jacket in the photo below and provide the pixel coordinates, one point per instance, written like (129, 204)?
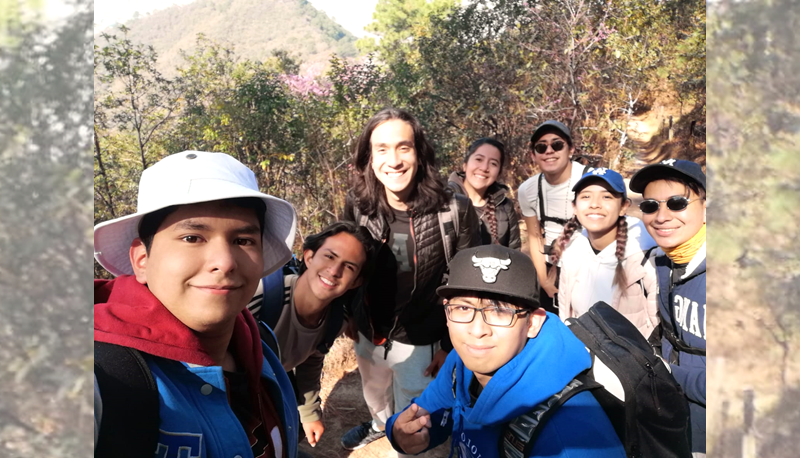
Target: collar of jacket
(497, 190)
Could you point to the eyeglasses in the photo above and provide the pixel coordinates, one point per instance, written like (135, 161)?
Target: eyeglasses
(674, 203)
(493, 315)
(541, 148)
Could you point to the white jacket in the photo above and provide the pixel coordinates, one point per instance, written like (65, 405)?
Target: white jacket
(581, 268)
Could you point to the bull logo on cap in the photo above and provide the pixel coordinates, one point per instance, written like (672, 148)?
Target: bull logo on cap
(490, 267)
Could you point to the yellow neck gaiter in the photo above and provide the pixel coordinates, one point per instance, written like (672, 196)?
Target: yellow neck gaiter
(684, 252)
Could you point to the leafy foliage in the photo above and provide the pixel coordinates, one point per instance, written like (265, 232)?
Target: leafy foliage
(482, 69)
(754, 87)
(45, 239)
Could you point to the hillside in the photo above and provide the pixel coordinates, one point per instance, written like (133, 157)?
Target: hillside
(255, 28)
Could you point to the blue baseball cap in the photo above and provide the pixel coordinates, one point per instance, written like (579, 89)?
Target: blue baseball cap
(668, 168)
(611, 177)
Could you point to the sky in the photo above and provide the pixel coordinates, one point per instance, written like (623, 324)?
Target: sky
(353, 15)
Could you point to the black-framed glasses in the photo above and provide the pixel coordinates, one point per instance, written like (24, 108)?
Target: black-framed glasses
(541, 148)
(674, 203)
(492, 315)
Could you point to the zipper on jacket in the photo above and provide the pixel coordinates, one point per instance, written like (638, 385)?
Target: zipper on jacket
(414, 242)
(651, 373)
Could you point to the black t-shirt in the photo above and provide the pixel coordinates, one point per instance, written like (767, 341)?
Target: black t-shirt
(393, 279)
(401, 243)
(475, 390)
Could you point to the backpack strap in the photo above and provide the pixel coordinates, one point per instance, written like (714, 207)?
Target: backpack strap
(668, 325)
(644, 261)
(268, 337)
(129, 427)
(448, 225)
(272, 301)
(544, 218)
(520, 435)
(454, 381)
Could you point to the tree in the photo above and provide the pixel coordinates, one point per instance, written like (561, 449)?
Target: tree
(396, 22)
(45, 238)
(139, 97)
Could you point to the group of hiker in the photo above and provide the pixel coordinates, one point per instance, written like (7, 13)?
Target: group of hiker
(210, 340)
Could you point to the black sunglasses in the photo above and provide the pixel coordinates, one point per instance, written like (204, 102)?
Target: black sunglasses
(557, 145)
(674, 203)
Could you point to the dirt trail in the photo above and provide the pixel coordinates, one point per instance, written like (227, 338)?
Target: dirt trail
(344, 407)
(649, 133)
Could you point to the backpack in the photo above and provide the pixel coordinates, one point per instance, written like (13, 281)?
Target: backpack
(651, 419)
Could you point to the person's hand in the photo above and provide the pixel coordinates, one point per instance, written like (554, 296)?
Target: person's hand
(436, 364)
(351, 330)
(410, 430)
(314, 430)
(549, 288)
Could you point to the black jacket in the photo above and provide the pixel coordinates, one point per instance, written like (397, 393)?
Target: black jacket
(422, 320)
(507, 219)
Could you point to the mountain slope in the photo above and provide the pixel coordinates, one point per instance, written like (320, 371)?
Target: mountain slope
(253, 27)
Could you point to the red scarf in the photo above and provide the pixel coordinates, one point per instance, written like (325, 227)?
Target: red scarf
(126, 313)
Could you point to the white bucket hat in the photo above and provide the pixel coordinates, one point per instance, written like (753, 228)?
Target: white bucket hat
(191, 177)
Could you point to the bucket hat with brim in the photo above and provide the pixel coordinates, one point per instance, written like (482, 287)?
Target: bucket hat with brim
(192, 177)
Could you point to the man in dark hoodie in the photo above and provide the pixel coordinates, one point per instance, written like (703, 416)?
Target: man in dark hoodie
(187, 263)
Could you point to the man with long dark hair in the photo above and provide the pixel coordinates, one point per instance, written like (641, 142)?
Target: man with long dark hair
(398, 196)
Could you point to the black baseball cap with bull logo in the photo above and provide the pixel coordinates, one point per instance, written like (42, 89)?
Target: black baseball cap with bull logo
(493, 271)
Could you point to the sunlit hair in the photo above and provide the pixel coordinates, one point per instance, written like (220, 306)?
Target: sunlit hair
(314, 242)
(429, 193)
(491, 206)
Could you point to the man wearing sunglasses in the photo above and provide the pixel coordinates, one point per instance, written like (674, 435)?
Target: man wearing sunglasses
(510, 356)
(546, 198)
(674, 212)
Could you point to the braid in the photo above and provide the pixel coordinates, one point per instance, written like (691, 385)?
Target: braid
(561, 243)
(620, 280)
(491, 218)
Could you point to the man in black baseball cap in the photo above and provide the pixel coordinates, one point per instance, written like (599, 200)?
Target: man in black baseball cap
(510, 356)
(674, 213)
(545, 200)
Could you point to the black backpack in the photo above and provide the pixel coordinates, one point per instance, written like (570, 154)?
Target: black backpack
(653, 421)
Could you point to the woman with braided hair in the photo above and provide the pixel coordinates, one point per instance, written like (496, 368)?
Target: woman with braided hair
(602, 254)
(483, 164)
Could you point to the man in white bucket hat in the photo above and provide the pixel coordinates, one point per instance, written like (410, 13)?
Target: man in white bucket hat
(179, 363)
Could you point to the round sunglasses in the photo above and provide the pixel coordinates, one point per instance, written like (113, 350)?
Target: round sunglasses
(541, 148)
(674, 203)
